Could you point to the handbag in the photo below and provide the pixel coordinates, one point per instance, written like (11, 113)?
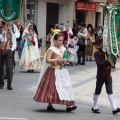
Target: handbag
(81, 41)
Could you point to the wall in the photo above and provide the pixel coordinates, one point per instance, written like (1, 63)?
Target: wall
(41, 22)
(66, 11)
(66, 14)
(100, 9)
(90, 17)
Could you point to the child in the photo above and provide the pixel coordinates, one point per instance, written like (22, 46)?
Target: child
(54, 86)
(71, 48)
(103, 76)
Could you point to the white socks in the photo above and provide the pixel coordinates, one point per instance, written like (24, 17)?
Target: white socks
(112, 102)
(95, 106)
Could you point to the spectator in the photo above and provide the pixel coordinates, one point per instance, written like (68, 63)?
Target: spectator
(82, 35)
(20, 42)
(90, 41)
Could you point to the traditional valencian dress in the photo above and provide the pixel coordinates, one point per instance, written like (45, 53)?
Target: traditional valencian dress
(71, 45)
(90, 48)
(30, 58)
(54, 85)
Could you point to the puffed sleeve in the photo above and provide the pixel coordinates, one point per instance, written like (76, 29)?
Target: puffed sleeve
(49, 57)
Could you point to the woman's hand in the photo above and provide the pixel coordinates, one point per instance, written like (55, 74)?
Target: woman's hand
(65, 61)
(58, 61)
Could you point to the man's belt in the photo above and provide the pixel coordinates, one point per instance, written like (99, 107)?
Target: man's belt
(3, 47)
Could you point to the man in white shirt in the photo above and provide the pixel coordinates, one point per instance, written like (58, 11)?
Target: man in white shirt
(82, 34)
(6, 55)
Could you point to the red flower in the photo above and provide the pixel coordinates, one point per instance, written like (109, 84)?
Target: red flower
(33, 42)
(17, 48)
(69, 34)
(47, 40)
(119, 26)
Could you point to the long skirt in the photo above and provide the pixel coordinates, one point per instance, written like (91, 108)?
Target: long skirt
(73, 52)
(89, 48)
(47, 92)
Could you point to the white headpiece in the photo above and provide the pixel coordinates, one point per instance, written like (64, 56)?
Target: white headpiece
(70, 29)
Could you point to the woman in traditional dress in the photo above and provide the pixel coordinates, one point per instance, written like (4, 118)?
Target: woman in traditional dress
(47, 41)
(30, 58)
(54, 85)
(90, 41)
(68, 29)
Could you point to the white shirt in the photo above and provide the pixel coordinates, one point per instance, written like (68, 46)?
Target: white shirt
(15, 35)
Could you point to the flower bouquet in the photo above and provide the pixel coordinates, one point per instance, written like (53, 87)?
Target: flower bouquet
(31, 42)
(66, 55)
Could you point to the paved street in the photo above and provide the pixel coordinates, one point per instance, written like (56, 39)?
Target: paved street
(19, 105)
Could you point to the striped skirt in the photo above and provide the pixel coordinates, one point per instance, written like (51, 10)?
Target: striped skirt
(47, 92)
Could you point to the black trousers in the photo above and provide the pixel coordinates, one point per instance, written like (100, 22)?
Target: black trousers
(100, 83)
(8, 59)
(81, 54)
(14, 64)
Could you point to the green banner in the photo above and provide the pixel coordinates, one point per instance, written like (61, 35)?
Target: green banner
(10, 10)
(112, 33)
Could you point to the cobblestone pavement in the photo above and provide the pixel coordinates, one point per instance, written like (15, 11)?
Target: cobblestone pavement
(19, 105)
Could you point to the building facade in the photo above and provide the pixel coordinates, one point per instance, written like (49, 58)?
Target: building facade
(90, 12)
(45, 13)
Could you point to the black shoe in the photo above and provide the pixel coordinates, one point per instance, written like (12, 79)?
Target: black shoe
(90, 60)
(1, 87)
(28, 71)
(87, 59)
(96, 111)
(77, 64)
(116, 111)
(50, 108)
(31, 70)
(9, 88)
(71, 64)
(82, 63)
(69, 109)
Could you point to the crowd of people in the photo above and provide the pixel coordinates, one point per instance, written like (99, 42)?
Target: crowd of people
(79, 41)
(14, 37)
(64, 46)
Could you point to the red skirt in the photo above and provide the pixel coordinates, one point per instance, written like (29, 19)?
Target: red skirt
(47, 92)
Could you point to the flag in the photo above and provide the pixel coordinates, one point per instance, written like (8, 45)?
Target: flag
(10, 10)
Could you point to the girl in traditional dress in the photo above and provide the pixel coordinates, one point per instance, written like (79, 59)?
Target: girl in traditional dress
(90, 41)
(54, 85)
(30, 58)
(71, 48)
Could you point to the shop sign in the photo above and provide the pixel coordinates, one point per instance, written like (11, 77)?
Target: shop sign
(85, 6)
